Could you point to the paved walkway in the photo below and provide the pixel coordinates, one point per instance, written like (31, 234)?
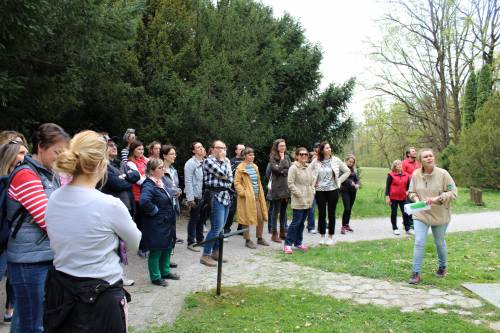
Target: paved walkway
(153, 305)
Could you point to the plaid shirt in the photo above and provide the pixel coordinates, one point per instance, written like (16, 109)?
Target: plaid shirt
(213, 172)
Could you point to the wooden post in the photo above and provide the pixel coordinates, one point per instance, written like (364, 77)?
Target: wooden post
(476, 196)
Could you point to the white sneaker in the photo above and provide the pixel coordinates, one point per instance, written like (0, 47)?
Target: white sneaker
(330, 241)
(322, 240)
(127, 282)
(314, 231)
(226, 240)
(396, 232)
(410, 232)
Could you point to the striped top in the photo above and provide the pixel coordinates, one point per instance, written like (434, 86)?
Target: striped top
(124, 154)
(253, 177)
(26, 188)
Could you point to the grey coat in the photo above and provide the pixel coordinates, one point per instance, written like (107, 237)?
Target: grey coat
(279, 176)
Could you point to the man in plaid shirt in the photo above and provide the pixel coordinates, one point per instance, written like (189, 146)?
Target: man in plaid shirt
(217, 178)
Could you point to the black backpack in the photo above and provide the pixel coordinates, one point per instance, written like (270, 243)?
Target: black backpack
(20, 215)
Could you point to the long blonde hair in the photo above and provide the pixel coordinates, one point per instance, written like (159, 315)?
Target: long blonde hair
(87, 152)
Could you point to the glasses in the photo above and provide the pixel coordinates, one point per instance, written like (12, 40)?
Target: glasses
(111, 145)
(223, 148)
(303, 154)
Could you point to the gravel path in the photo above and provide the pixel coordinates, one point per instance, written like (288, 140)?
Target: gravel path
(152, 305)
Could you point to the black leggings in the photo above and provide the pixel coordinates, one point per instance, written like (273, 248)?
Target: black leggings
(348, 199)
(324, 198)
(394, 214)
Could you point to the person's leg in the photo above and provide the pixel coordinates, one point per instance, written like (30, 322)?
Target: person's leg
(230, 218)
(332, 200)
(293, 227)
(438, 232)
(154, 265)
(311, 225)
(194, 220)
(394, 214)
(346, 201)
(270, 216)
(406, 218)
(216, 223)
(421, 230)
(204, 214)
(276, 210)
(224, 213)
(283, 218)
(164, 262)
(259, 230)
(300, 230)
(28, 286)
(321, 202)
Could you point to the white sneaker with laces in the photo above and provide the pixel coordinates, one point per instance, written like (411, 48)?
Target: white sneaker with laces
(396, 232)
(330, 242)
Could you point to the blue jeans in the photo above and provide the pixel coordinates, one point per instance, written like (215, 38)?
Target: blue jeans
(28, 285)
(296, 228)
(218, 217)
(311, 225)
(438, 232)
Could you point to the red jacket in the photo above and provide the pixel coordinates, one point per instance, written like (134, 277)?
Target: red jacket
(409, 166)
(397, 185)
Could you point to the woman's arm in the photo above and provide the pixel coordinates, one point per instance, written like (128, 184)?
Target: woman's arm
(291, 181)
(146, 199)
(124, 226)
(345, 172)
(238, 183)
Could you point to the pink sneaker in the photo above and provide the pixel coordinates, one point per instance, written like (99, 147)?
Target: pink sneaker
(287, 249)
(302, 247)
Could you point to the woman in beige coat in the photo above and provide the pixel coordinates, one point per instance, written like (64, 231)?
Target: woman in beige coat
(251, 203)
(300, 184)
(437, 189)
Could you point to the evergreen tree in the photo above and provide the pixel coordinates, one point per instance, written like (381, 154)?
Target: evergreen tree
(478, 157)
(484, 85)
(470, 99)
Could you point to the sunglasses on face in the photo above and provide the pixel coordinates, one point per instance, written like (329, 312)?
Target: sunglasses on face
(303, 154)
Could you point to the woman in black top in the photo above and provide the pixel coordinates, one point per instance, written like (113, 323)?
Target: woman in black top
(348, 191)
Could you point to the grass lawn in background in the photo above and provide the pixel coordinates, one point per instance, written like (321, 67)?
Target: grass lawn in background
(241, 309)
(472, 257)
(370, 200)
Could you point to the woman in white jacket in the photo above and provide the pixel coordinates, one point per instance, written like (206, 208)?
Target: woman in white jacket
(328, 172)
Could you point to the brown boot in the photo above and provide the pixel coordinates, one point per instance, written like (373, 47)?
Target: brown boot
(250, 244)
(215, 256)
(262, 241)
(275, 237)
(208, 261)
(282, 233)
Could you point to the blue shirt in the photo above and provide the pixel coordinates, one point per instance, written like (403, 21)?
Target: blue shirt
(253, 177)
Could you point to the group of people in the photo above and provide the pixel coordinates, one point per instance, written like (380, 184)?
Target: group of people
(75, 208)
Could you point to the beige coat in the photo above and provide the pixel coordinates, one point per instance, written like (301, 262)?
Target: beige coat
(246, 204)
(301, 185)
(436, 184)
(339, 168)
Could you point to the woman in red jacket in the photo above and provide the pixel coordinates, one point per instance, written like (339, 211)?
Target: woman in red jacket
(396, 191)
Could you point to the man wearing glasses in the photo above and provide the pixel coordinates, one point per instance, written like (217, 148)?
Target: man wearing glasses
(217, 180)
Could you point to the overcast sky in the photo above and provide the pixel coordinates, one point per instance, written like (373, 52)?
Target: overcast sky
(342, 29)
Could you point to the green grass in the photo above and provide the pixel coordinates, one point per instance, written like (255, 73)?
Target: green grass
(472, 257)
(242, 309)
(370, 200)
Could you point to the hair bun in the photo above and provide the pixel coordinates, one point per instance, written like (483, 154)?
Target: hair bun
(67, 162)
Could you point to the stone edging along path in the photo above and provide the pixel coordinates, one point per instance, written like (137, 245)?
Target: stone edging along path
(153, 306)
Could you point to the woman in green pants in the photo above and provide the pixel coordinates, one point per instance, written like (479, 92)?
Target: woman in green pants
(158, 235)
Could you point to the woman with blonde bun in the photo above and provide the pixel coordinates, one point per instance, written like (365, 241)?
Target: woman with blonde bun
(84, 289)
(29, 256)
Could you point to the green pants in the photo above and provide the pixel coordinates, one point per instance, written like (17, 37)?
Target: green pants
(159, 263)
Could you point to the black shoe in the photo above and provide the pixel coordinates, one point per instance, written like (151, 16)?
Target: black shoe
(173, 265)
(441, 272)
(160, 282)
(171, 276)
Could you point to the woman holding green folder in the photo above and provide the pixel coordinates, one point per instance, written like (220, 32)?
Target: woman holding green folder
(436, 188)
